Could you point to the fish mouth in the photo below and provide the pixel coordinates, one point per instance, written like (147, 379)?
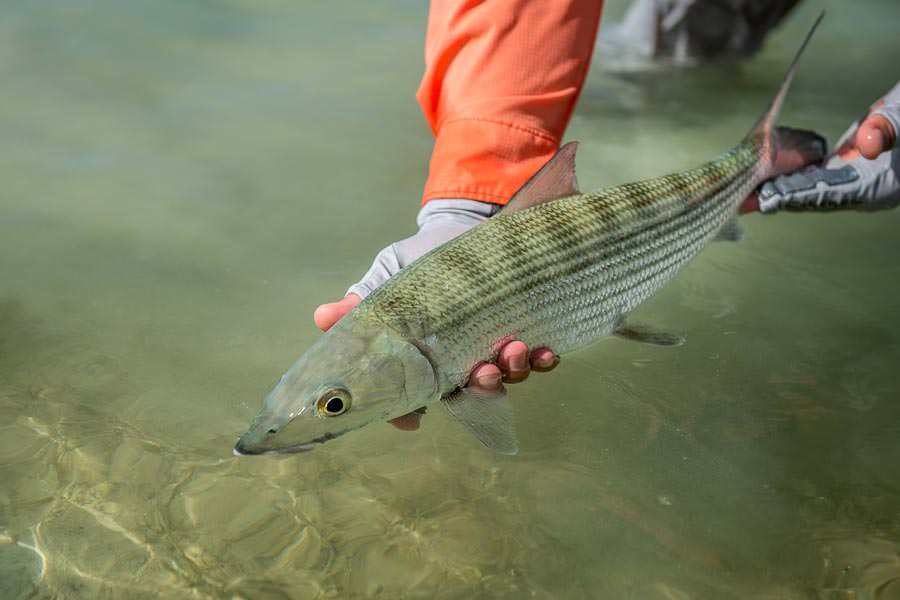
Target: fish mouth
(241, 450)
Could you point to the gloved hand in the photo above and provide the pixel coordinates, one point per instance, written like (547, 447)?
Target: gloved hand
(863, 173)
(440, 221)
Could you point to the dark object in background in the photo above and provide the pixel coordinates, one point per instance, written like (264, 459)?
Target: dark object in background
(685, 32)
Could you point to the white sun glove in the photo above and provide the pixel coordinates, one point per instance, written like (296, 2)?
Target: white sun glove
(439, 221)
(858, 183)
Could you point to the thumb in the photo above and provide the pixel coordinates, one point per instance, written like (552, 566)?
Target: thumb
(329, 314)
(875, 135)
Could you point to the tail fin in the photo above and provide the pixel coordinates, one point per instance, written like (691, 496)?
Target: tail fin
(763, 134)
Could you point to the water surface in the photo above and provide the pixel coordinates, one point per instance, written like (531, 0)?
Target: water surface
(182, 183)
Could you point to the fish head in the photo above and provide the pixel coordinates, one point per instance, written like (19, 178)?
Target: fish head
(359, 372)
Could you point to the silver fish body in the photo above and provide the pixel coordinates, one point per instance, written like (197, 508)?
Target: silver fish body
(560, 274)
(556, 268)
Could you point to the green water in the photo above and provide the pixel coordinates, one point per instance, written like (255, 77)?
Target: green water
(182, 183)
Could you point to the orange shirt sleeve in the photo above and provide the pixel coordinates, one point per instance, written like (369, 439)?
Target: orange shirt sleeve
(501, 81)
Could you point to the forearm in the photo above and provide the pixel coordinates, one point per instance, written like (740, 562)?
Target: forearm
(501, 82)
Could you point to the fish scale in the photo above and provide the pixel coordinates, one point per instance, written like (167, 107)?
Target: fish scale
(530, 279)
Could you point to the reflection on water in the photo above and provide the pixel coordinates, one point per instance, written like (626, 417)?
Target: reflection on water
(183, 183)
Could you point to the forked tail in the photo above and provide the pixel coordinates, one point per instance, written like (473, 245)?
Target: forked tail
(764, 134)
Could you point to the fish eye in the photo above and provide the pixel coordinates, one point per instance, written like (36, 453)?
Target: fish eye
(333, 403)
(272, 430)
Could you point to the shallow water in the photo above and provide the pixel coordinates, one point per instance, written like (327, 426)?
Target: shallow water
(182, 183)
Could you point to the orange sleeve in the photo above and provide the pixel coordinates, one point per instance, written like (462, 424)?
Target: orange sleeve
(501, 81)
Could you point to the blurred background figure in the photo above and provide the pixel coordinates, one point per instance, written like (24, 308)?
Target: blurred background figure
(688, 32)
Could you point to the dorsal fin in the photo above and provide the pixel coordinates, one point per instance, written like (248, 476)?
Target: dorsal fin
(556, 179)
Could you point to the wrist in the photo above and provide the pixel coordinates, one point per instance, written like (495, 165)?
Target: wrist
(456, 211)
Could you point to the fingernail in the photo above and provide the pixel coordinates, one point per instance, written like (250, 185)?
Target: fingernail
(876, 136)
(545, 364)
(488, 380)
(548, 361)
(518, 362)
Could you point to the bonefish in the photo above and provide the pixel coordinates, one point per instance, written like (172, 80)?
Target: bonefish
(556, 268)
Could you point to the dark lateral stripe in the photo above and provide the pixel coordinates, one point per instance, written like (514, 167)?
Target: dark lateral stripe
(684, 229)
(645, 260)
(510, 258)
(526, 280)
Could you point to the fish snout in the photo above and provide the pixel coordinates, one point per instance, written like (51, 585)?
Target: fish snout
(241, 448)
(252, 442)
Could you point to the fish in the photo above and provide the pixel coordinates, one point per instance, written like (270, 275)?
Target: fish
(555, 268)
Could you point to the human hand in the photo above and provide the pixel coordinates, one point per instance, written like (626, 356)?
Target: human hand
(440, 221)
(862, 173)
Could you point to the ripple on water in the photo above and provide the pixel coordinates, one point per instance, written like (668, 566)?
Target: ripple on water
(867, 566)
(20, 569)
(30, 480)
(88, 546)
(224, 518)
(870, 378)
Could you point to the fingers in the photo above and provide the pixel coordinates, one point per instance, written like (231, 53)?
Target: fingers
(874, 136)
(329, 314)
(487, 376)
(513, 365)
(513, 362)
(543, 360)
(797, 149)
(788, 161)
(814, 188)
(516, 363)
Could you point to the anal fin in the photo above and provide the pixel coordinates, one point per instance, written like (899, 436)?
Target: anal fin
(487, 415)
(731, 232)
(647, 335)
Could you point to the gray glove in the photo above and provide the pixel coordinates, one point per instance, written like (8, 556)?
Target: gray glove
(439, 221)
(858, 183)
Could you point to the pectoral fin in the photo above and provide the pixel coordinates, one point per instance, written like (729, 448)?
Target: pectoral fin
(647, 335)
(488, 415)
